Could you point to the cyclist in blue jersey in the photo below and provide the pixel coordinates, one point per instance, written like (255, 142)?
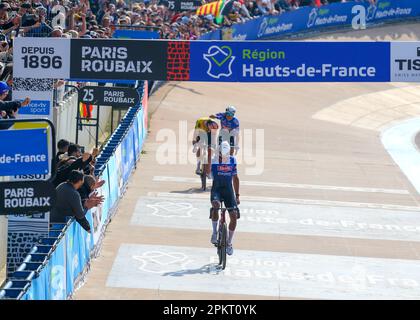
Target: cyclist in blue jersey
(225, 188)
(230, 127)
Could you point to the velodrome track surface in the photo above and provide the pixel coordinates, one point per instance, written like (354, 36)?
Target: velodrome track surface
(330, 216)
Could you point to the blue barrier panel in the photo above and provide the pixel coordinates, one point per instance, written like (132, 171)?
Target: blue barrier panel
(127, 153)
(105, 191)
(136, 139)
(113, 180)
(81, 248)
(135, 34)
(57, 271)
(72, 257)
(39, 289)
(214, 35)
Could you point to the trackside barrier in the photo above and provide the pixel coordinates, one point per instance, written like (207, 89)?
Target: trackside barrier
(310, 20)
(57, 265)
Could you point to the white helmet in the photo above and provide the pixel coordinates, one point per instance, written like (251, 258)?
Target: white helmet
(225, 148)
(231, 110)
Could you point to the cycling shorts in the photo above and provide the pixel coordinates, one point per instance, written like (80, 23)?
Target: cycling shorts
(225, 194)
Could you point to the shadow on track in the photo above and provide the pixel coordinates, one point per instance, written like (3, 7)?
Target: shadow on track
(190, 191)
(211, 268)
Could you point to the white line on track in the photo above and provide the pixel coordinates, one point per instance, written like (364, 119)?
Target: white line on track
(206, 195)
(288, 185)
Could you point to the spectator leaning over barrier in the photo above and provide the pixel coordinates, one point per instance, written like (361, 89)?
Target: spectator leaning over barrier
(87, 191)
(69, 203)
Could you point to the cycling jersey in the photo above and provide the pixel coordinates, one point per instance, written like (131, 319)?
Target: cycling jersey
(201, 124)
(223, 171)
(228, 124)
(222, 188)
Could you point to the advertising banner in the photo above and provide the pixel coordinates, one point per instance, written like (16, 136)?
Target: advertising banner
(290, 62)
(309, 19)
(135, 34)
(118, 59)
(40, 91)
(127, 153)
(113, 181)
(213, 35)
(119, 97)
(136, 138)
(45, 58)
(39, 286)
(29, 156)
(74, 261)
(242, 61)
(405, 61)
(86, 239)
(144, 105)
(3, 249)
(57, 270)
(26, 197)
(100, 213)
(119, 168)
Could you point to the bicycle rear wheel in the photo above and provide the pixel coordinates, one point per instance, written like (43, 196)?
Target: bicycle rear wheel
(223, 247)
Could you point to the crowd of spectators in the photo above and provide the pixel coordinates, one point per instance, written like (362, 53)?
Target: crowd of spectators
(75, 184)
(99, 18)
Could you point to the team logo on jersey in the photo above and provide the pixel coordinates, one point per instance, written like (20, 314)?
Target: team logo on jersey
(224, 168)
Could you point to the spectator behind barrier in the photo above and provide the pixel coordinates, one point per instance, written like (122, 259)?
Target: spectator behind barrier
(71, 161)
(88, 190)
(62, 146)
(69, 203)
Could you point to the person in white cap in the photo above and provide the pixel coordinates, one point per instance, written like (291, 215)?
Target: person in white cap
(225, 188)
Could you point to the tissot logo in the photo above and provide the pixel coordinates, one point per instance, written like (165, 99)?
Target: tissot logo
(409, 64)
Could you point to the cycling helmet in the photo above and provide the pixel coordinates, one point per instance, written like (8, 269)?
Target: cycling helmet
(225, 148)
(230, 111)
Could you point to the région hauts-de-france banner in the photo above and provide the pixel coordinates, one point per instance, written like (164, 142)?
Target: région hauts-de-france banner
(221, 61)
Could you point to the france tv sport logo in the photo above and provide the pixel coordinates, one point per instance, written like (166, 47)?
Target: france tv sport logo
(219, 61)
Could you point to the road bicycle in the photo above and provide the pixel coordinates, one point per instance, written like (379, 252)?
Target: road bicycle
(222, 236)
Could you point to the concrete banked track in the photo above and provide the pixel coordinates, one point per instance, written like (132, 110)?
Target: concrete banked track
(331, 216)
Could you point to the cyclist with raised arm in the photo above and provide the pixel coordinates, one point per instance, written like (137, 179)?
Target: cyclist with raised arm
(225, 188)
(230, 127)
(203, 131)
